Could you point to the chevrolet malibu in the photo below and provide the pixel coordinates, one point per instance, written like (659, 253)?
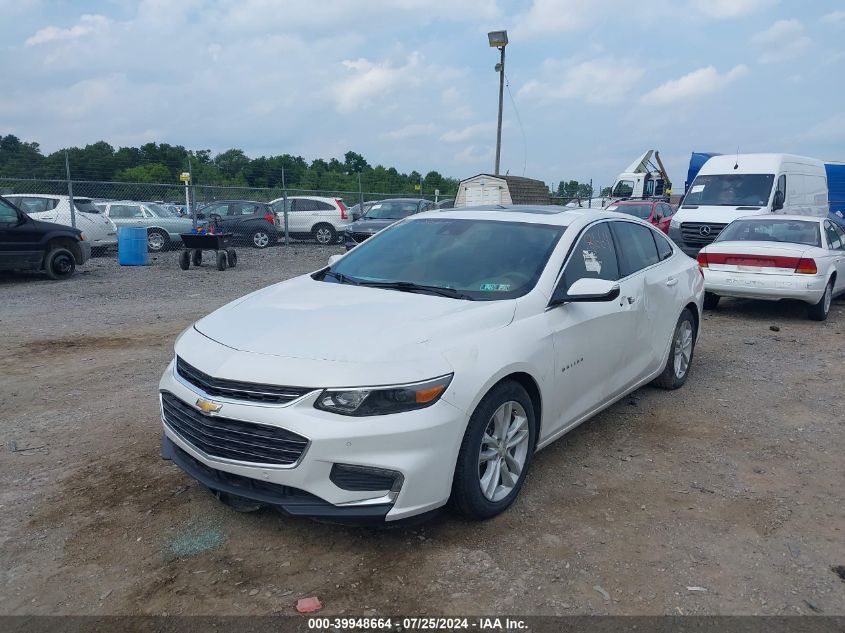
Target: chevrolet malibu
(482, 335)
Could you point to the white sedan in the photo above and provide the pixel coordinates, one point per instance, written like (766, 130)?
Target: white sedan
(482, 335)
(777, 257)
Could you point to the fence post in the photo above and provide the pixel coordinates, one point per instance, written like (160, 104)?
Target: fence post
(360, 196)
(590, 203)
(285, 203)
(70, 192)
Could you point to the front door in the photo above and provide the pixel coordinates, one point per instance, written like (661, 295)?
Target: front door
(588, 337)
(19, 239)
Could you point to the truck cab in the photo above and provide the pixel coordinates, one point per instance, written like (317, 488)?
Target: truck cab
(645, 178)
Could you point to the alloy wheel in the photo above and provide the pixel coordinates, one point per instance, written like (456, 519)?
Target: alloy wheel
(260, 239)
(155, 241)
(683, 348)
(323, 235)
(504, 449)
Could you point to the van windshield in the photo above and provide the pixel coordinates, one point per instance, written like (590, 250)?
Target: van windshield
(731, 190)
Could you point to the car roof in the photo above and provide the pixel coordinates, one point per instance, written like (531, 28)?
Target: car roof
(417, 200)
(649, 201)
(778, 216)
(228, 201)
(536, 214)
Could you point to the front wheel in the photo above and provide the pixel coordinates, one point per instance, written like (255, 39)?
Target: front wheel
(156, 240)
(260, 238)
(324, 234)
(819, 311)
(59, 263)
(185, 260)
(221, 260)
(680, 353)
(495, 453)
(233, 257)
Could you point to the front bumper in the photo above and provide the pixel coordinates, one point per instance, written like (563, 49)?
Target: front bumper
(85, 252)
(749, 285)
(421, 445)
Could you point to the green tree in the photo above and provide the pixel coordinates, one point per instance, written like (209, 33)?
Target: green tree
(145, 173)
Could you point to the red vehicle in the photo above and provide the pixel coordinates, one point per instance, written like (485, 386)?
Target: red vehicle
(658, 212)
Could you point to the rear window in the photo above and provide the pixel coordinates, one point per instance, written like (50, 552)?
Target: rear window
(86, 206)
(788, 231)
(641, 211)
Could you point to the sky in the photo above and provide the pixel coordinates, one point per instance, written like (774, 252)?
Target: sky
(411, 83)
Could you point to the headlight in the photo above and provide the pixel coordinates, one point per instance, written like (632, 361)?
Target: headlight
(674, 224)
(363, 401)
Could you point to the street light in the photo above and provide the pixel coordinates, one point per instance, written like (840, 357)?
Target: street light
(499, 39)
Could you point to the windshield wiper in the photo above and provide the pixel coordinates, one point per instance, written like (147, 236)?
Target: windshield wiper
(409, 286)
(341, 278)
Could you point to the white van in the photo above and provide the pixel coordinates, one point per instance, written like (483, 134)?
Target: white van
(99, 230)
(730, 187)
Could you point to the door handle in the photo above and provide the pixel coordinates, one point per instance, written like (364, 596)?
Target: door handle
(671, 281)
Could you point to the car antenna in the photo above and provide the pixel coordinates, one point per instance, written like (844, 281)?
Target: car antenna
(736, 164)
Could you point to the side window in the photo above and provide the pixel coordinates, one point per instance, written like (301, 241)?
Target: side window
(220, 209)
(135, 211)
(304, 204)
(593, 256)
(636, 247)
(8, 213)
(624, 189)
(841, 233)
(319, 205)
(35, 205)
(782, 186)
(658, 212)
(118, 212)
(664, 248)
(834, 240)
(247, 208)
(668, 211)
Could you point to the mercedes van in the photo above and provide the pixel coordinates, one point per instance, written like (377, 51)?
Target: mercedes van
(731, 187)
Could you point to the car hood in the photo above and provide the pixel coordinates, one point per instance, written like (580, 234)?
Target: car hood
(367, 225)
(319, 321)
(718, 215)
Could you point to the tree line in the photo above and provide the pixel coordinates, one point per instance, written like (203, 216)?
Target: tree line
(163, 163)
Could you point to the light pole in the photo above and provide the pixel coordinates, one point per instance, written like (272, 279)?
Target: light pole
(499, 39)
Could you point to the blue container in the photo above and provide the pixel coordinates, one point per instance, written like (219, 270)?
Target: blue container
(132, 246)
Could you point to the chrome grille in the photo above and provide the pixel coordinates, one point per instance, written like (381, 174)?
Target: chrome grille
(231, 439)
(691, 232)
(236, 389)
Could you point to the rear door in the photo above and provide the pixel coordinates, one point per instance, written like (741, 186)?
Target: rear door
(302, 215)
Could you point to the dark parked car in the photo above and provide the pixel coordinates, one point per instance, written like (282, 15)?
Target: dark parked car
(250, 222)
(381, 215)
(28, 244)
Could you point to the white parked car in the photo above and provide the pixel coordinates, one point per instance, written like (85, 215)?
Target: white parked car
(99, 230)
(323, 219)
(481, 336)
(777, 257)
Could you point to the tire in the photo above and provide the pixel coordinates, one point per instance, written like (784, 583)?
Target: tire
(680, 353)
(819, 311)
(221, 260)
(324, 234)
(478, 492)
(232, 257)
(157, 240)
(59, 263)
(196, 257)
(185, 260)
(260, 238)
(711, 301)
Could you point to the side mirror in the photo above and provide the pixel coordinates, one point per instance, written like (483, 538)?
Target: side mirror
(778, 201)
(333, 259)
(587, 289)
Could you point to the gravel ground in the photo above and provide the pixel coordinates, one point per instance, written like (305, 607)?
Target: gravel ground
(725, 497)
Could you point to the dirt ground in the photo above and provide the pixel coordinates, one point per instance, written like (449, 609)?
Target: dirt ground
(725, 497)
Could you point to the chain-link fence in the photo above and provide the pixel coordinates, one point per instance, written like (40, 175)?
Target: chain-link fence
(255, 217)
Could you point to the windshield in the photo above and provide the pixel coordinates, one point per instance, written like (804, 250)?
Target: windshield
(642, 211)
(790, 231)
(481, 259)
(391, 210)
(734, 190)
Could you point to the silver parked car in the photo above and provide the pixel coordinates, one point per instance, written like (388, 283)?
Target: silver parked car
(163, 228)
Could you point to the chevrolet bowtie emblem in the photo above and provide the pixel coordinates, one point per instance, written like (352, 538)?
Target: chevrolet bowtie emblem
(206, 406)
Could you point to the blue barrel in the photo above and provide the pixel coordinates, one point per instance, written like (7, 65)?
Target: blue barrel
(132, 246)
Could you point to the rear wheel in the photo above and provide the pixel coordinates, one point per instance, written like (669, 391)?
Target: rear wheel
(233, 257)
(711, 301)
(59, 263)
(495, 453)
(324, 234)
(221, 260)
(156, 240)
(260, 238)
(196, 258)
(680, 353)
(819, 311)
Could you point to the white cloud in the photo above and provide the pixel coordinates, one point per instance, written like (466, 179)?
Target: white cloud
(367, 81)
(469, 132)
(727, 9)
(554, 16)
(93, 25)
(783, 40)
(831, 130)
(413, 130)
(698, 83)
(603, 80)
(834, 17)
